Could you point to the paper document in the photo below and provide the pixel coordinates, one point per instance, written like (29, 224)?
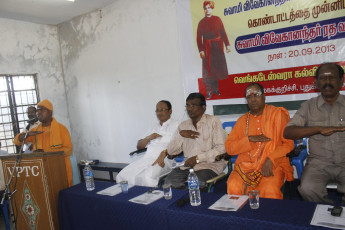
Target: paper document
(147, 198)
(229, 202)
(323, 217)
(113, 190)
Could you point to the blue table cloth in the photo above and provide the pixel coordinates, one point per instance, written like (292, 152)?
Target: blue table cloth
(80, 209)
(272, 214)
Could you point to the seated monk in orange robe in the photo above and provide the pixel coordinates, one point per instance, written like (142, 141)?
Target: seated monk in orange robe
(257, 139)
(49, 136)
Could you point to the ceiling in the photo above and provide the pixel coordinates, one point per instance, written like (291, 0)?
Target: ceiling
(51, 12)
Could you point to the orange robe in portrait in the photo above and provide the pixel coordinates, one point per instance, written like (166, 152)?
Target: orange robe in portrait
(252, 155)
(55, 138)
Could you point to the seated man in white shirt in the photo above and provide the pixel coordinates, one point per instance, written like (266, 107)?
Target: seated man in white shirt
(141, 172)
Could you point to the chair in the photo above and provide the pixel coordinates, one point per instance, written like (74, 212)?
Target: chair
(211, 182)
(298, 155)
(137, 151)
(227, 126)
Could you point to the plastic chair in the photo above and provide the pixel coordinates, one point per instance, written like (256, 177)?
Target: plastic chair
(137, 151)
(211, 182)
(227, 126)
(298, 161)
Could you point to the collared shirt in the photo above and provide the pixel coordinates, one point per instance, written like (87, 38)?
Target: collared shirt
(317, 112)
(167, 131)
(207, 146)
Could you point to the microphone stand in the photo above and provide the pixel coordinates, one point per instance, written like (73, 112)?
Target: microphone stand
(7, 193)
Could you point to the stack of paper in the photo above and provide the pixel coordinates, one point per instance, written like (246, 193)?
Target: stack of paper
(147, 198)
(113, 190)
(229, 202)
(323, 217)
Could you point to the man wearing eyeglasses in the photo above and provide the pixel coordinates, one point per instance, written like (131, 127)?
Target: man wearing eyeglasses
(257, 139)
(141, 172)
(201, 138)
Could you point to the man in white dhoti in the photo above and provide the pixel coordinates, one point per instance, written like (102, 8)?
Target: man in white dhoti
(141, 172)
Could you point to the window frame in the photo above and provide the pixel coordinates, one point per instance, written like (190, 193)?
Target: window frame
(16, 122)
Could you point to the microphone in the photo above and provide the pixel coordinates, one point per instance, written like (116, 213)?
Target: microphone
(181, 202)
(33, 120)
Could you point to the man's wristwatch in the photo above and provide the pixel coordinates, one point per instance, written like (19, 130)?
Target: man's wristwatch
(197, 159)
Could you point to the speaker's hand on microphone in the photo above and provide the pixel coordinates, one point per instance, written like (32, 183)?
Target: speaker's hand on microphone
(34, 133)
(28, 134)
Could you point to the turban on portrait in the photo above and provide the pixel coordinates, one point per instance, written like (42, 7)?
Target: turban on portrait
(46, 104)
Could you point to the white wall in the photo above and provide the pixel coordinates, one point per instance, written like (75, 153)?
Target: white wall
(28, 48)
(118, 63)
(114, 65)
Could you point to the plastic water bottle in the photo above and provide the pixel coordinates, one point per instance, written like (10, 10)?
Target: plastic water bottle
(88, 176)
(193, 186)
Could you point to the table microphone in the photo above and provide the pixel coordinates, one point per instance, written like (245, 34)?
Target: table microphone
(183, 201)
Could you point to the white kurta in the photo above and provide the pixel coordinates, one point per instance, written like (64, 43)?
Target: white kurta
(141, 172)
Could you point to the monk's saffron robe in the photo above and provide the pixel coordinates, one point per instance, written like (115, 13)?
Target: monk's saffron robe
(55, 138)
(252, 155)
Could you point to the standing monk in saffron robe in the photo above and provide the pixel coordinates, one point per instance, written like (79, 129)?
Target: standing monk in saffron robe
(257, 139)
(210, 38)
(49, 136)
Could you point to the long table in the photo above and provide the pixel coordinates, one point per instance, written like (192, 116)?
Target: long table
(80, 209)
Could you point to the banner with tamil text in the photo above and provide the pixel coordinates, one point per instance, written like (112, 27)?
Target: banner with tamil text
(277, 43)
